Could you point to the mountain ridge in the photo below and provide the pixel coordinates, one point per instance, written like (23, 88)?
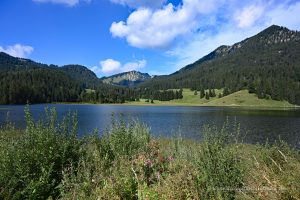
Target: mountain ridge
(129, 79)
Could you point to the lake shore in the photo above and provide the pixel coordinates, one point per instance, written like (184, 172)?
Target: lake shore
(241, 100)
(171, 104)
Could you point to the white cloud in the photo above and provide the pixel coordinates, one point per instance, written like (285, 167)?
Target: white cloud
(249, 15)
(131, 66)
(65, 2)
(140, 3)
(111, 66)
(18, 50)
(145, 28)
(202, 44)
(285, 16)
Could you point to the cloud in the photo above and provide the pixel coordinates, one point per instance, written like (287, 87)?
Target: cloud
(285, 15)
(18, 50)
(205, 42)
(248, 15)
(140, 3)
(130, 66)
(65, 2)
(111, 66)
(147, 28)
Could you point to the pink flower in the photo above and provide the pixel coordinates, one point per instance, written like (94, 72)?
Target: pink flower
(148, 163)
(170, 158)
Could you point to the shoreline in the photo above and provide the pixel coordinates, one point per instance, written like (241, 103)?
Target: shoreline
(246, 107)
(295, 107)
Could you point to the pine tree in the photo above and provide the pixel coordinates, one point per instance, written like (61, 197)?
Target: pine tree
(202, 93)
(226, 92)
(207, 95)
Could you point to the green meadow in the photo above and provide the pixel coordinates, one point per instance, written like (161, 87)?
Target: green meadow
(238, 99)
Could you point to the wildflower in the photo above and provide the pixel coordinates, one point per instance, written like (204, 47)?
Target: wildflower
(170, 158)
(148, 163)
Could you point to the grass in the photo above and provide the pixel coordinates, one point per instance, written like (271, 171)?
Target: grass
(243, 98)
(189, 99)
(238, 99)
(90, 91)
(48, 161)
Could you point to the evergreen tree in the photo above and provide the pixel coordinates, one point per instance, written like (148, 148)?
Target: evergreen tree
(206, 95)
(202, 93)
(226, 91)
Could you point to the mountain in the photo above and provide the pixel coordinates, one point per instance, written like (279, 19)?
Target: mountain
(8, 62)
(268, 64)
(24, 80)
(128, 79)
(79, 73)
(83, 75)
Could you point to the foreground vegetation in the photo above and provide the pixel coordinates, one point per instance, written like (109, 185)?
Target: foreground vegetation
(49, 161)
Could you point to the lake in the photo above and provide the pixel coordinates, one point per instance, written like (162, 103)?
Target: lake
(256, 125)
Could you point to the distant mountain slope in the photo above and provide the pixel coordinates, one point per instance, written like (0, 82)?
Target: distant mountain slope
(8, 62)
(83, 75)
(267, 63)
(128, 79)
(23, 80)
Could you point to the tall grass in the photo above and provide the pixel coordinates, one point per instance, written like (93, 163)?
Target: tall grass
(48, 161)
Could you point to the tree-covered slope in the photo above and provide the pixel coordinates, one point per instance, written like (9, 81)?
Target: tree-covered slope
(86, 77)
(23, 80)
(39, 85)
(8, 63)
(267, 64)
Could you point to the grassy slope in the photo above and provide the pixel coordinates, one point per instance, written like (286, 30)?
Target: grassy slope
(243, 98)
(240, 98)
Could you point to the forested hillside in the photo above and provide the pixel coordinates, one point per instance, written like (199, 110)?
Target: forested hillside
(86, 77)
(267, 64)
(37, 86)
(25, 81)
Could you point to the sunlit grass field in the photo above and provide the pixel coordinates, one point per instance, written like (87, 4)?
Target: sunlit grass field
(239, 99)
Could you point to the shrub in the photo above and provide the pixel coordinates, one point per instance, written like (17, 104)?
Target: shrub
(32, 164)
(220, 173)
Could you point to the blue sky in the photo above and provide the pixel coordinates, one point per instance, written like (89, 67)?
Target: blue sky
(154, 36)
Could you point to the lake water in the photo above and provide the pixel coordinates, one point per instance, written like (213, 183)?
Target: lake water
(256, 125)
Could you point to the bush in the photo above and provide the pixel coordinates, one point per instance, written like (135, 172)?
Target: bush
(105, 170)
(32, 164)
(220, 173)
